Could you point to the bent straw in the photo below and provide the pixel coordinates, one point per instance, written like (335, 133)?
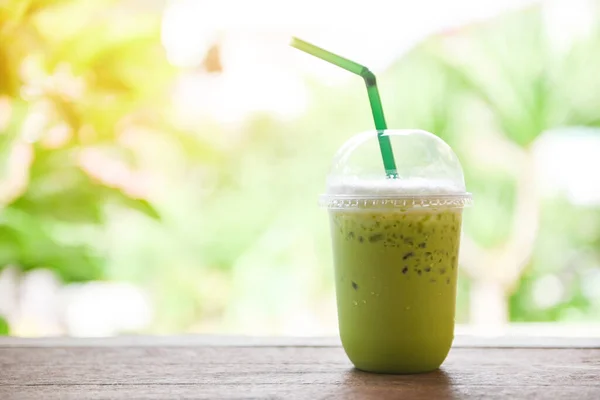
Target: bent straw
(385, 146)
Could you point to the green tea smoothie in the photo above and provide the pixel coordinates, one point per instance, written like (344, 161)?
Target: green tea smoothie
(395, 198)
(396, 273)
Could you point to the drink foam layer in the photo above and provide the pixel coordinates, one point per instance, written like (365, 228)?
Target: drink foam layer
(393, 187)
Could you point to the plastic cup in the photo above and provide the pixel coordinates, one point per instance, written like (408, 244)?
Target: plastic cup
(395, 247)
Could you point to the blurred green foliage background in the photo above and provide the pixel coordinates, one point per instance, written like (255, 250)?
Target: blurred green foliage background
(218, 224)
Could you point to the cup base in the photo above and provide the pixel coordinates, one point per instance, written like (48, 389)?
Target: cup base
(399, 357)
(391, 370)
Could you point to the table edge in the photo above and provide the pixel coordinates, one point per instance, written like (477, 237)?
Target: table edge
(461, 341)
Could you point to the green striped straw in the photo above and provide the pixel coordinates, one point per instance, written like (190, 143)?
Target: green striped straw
(377, 109)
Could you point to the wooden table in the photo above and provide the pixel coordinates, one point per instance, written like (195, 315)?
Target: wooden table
(203, 367)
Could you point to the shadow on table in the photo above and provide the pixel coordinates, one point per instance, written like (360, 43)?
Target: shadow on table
(357, 384)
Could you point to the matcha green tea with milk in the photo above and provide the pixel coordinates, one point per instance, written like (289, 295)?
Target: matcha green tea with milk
(395, 199)
(395, 247)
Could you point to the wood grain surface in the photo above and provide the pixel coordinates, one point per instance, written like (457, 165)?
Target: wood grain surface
(250, 368)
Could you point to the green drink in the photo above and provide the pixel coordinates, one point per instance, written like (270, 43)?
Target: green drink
(395, 249)
(396, 286)
(395, 239)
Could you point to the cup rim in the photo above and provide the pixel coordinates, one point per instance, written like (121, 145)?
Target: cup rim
(399, 201)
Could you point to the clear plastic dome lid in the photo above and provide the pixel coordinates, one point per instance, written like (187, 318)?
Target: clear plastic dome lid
(429, 173)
